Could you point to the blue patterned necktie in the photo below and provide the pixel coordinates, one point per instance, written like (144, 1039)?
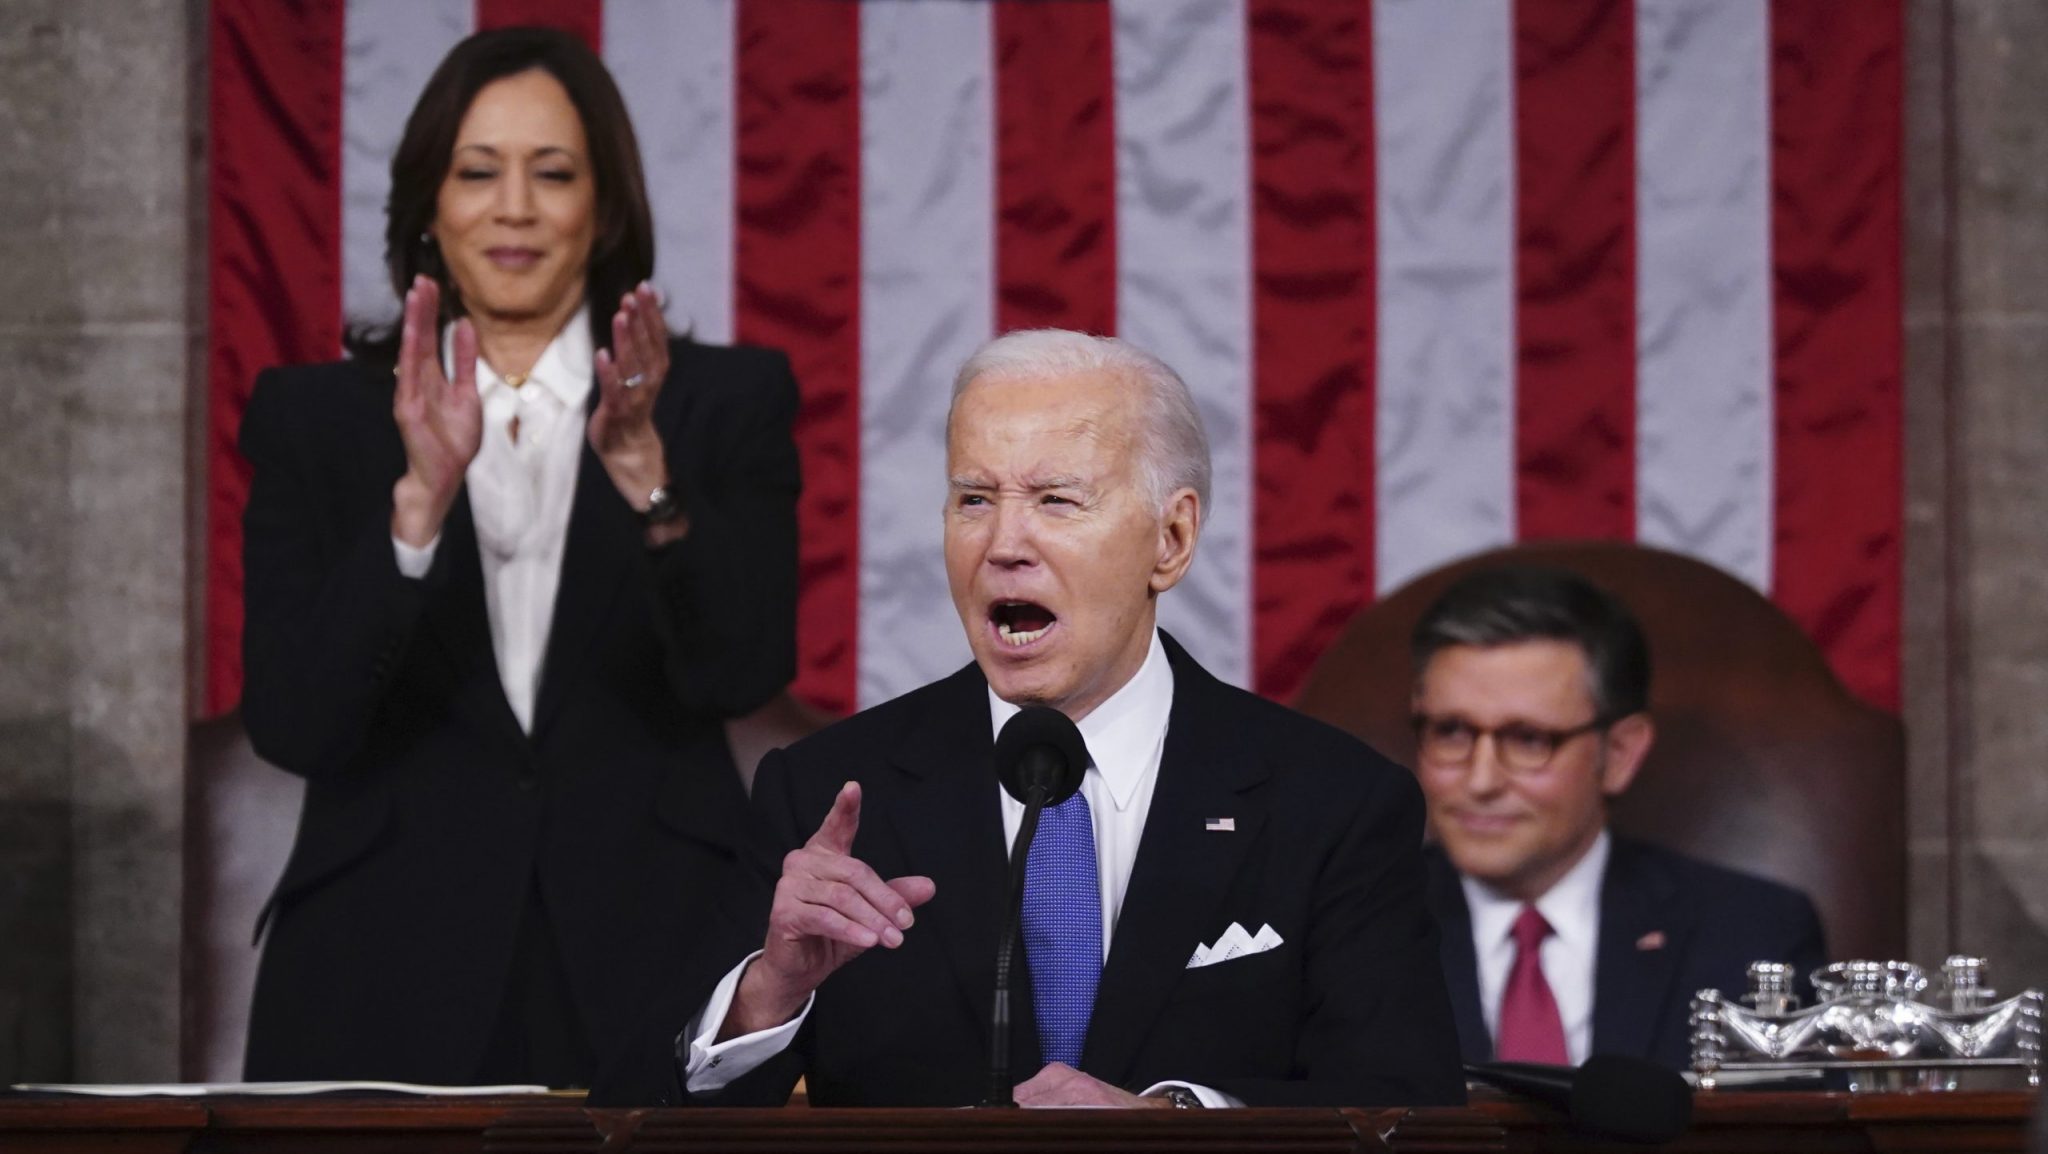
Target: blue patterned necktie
(1062, 921)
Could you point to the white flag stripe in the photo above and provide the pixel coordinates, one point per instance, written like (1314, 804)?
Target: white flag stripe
(1703, 296)
(1184, 275)
(390, 49)
(927, 301)
(674, 67)
(1443, 84)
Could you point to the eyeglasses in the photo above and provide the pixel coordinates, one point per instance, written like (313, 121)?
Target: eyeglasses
(1451, 741)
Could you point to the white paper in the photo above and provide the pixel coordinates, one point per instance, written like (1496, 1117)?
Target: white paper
(276, 1089)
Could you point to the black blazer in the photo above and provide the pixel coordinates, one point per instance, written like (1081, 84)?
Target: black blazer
(1670, 926)
(428, 813)
(1349, 1009)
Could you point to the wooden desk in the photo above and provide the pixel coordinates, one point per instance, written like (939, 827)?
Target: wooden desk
(1725, 1123)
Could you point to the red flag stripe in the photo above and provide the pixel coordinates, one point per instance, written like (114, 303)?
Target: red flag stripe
(1055, 167)
(584, 18)
(1829, 497)
(273, 256)
(1836, 91)
(1575, 177)
(797, 240)
(1313, 317)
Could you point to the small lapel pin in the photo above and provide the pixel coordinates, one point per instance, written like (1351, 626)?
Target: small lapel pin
(1221, 825)
(1654, 940)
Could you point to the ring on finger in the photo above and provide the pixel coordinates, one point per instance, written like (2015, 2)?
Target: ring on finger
(633, 382)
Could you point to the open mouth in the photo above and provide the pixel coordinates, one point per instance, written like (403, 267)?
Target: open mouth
(1019, 623)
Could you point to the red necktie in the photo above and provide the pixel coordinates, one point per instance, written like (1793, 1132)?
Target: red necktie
(1531, 1030)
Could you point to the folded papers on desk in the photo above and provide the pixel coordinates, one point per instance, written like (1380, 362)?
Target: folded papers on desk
(269, 1089)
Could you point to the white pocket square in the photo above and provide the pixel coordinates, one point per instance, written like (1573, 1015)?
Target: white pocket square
(1235, 943)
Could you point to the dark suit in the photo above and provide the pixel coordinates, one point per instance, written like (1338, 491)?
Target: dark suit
(435, 832)
(1670, 926)
(1349, 1009)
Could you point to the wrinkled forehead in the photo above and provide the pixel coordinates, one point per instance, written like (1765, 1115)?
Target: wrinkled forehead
(1094, 404)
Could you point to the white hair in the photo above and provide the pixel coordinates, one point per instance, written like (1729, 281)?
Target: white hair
(1173, 451)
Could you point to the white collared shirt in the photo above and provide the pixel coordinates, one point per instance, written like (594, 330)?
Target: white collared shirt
(521, 491)
(1572, 907)
(1125, 736)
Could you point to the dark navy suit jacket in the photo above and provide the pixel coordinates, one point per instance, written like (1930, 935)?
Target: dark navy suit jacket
(1670, 926)
(1325, 848)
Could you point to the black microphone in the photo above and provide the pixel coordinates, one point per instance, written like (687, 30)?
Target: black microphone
(1609, 1097)
(1040, 749)
(1040, 759)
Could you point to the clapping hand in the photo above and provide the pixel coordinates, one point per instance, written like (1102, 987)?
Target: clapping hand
(830, 908)
(629, 378)
(440, 421)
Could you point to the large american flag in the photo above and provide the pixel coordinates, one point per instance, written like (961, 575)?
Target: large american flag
(1444, 274)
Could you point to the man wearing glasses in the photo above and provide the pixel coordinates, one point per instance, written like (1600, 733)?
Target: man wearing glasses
(1560, 939)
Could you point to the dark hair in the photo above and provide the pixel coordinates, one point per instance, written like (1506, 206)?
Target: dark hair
(622, 251)
(1507, 604)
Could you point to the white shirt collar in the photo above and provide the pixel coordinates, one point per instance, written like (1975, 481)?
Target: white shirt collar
(1572, 906)
(1125, 731)
(564, 368)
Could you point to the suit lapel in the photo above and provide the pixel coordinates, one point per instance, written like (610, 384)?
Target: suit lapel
(1461, 962)
(463, 625)
(603, 544)
(949, 825)
(600, 547)
(1643, 933)
(1183, 870)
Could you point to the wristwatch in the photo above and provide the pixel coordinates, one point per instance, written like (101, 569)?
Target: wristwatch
(662, 507)
(1181, 1097)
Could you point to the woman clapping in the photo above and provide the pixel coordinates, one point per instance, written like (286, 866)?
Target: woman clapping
(507, 570)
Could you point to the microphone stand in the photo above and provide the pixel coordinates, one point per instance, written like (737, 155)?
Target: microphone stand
(999, 1017)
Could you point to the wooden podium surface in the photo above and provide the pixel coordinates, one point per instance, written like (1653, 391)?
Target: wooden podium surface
(1725, 1122)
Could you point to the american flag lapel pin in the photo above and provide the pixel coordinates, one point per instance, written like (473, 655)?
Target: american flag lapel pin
(1654, 940)
(1221, 825)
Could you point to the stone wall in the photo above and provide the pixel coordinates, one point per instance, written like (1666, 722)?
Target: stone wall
(1977, 481)
(96, 340)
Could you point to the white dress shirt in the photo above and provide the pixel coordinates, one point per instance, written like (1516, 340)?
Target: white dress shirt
(521, 489)
(1568, 955)
(1126, 736)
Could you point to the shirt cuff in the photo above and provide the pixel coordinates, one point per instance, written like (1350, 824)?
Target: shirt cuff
(1213, 1099)
(712, 1064)
(412, 562)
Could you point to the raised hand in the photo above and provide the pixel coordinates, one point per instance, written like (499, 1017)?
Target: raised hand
(440, 421)
(629, 378)
(829, 909)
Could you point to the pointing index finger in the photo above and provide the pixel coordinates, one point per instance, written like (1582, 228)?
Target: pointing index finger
(835, 834)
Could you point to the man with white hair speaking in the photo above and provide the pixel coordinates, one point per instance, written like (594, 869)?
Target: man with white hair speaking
(1230, 910)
